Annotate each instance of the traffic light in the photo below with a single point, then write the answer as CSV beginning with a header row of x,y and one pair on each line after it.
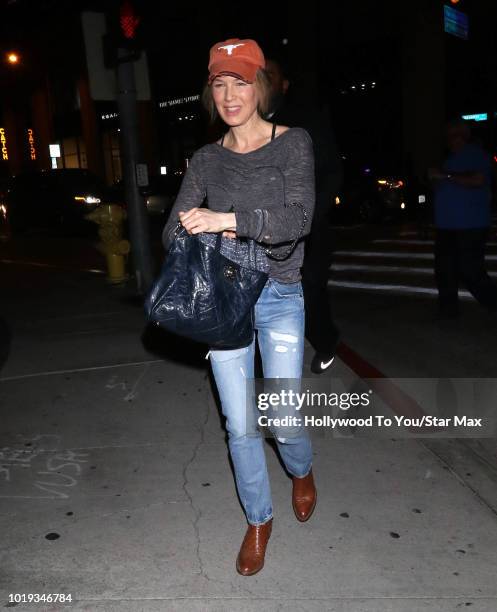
x,y
124,31
128,21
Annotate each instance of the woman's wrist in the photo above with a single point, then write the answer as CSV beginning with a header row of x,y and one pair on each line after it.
x,y
230,222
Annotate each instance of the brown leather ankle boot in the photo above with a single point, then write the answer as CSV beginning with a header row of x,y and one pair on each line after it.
x,y
304,496
250,559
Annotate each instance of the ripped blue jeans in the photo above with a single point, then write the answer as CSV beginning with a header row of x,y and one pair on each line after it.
x,y
279,321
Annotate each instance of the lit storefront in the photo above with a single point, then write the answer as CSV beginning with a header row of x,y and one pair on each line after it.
x,y
75,109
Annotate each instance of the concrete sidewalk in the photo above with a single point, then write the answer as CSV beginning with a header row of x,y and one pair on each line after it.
x,y
115,483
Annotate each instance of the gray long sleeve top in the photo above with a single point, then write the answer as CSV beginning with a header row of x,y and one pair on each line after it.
x,y
260,188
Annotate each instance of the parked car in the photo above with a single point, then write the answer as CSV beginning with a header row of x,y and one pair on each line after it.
x,y
4,187
55,199
159,195
368,196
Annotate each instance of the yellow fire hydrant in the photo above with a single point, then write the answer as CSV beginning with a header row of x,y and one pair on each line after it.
x,y
110,218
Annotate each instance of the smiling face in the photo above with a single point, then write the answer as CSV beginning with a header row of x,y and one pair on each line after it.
x,y
235,100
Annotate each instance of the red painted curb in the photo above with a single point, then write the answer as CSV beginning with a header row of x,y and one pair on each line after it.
x,y
398,400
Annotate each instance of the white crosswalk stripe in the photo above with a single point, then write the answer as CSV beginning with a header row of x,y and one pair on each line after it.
x,y
402,263
404,242
391,269
394,288
397,254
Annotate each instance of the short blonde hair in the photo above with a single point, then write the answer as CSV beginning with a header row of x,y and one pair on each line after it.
x,y
263,88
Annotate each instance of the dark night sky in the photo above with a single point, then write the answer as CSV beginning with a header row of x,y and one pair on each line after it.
x,y
179,34
358,41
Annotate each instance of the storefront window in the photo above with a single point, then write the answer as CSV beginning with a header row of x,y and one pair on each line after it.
x,y
74,153
112,156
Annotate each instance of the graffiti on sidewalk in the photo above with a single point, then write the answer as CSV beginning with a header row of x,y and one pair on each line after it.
x,y
116,382
39,463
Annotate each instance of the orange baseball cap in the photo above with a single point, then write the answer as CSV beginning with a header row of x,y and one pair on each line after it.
x,y
241,58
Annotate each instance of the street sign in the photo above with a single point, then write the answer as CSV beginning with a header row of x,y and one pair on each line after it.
x,y
54,150
475,117
141,175
456,22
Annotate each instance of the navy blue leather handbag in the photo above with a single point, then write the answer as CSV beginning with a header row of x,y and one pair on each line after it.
x,y
207,292
202,295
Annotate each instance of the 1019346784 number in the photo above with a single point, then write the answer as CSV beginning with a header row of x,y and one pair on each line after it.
x,y
37,597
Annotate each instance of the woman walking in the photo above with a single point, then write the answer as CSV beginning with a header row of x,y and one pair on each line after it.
x,y
259,184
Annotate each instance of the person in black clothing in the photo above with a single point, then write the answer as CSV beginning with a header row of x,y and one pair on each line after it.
x,y
320,328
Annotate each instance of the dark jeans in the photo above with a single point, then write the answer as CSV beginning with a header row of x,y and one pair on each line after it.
x,y
460,256
319,327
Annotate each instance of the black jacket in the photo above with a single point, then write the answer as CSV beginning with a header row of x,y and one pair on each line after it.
x,y
328,165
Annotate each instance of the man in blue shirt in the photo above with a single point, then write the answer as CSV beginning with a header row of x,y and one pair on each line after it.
x,y
462,221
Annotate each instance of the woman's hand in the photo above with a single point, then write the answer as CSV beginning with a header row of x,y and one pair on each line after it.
x,y
199,220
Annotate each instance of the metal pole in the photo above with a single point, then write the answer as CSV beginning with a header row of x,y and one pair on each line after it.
x,y
130,152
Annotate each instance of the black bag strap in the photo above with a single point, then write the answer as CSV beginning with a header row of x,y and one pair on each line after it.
x,y
179,229
290,249
219,236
